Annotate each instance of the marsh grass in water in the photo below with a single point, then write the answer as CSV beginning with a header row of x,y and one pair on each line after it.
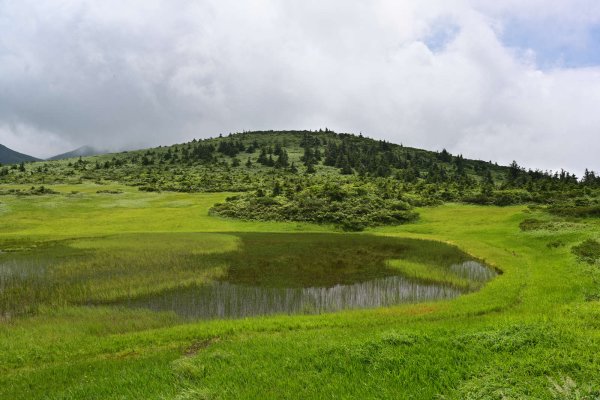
x,y
92,270
467,275
232,275
19,280
473,271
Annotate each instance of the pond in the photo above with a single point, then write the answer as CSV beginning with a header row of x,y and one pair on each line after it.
x,y
225,300
205,276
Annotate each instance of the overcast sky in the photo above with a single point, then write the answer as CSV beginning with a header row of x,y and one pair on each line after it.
x,y
494,80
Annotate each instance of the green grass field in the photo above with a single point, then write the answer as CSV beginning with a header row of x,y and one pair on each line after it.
x,y
531,333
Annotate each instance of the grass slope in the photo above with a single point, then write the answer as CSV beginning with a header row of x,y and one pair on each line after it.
x,y
533,332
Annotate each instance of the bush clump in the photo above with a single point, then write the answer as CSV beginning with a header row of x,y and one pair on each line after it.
x,y
588,251
587,211
531,224
500,198
33,191
351,207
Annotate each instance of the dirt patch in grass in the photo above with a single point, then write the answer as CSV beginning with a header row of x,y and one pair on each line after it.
x,y
199,345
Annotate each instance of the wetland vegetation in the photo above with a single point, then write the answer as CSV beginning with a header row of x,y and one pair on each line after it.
x,y
121,276
233,275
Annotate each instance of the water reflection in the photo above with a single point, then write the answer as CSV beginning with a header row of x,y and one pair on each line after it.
x,y
225,300
473,271
268,274
16,272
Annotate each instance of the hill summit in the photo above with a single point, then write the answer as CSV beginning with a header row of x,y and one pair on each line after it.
x,y
83,151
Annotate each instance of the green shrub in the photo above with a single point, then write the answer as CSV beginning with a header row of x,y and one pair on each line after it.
x,y
555,244
531,224
510,197
351,207
588,251
576,211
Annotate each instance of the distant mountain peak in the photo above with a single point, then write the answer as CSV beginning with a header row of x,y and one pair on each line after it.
x,y
83,151
9,156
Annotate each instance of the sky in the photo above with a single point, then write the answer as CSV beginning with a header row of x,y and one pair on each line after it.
x,y
493,80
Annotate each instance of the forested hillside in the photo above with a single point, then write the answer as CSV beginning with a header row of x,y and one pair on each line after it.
x,y
319,176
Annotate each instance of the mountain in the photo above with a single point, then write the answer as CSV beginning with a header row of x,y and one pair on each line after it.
x,y
83,151
8,156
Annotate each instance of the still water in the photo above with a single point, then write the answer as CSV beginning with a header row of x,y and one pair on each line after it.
x,y
264,274
225,300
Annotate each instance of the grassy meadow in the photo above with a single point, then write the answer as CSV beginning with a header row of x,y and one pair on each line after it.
x,y
533,332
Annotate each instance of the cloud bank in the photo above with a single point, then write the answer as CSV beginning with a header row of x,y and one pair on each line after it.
x,y
491,80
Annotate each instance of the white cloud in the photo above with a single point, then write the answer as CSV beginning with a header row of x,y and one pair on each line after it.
x,y
134,73
19,137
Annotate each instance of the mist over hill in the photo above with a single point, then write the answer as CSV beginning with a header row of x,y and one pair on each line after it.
x,y
83,151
